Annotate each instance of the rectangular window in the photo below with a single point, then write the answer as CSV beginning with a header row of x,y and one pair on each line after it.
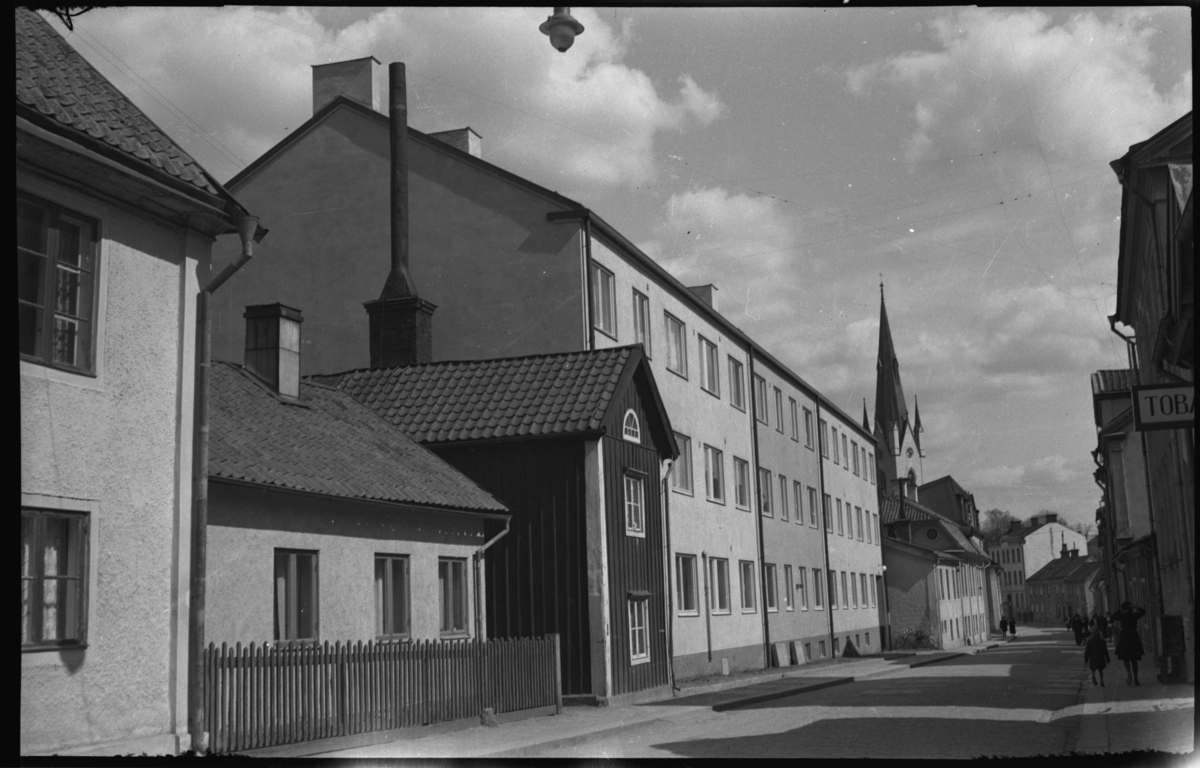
x,y
864,462
872,592
818,588
795,412
635,506
57,254
771,588
833,601
845,595
765,507
720,584
295,595
845,453
853,591
840,529
54,571
798,496
876,519
641,320
452,591
681,470
836,458
741,470
868,519
808,651
823,437
802,588
788,587
760,399
391,596
872,457
746,569
639,647
778,411
826,508
714,474
812,507
604,300
685,584
808,428
854,455
783,498
858,519
737,385
710,373
676,345
821,645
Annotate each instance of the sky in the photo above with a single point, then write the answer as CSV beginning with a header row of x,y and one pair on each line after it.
x,y
793,157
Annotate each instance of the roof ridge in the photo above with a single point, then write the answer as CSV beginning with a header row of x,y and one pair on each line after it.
x,y
477,361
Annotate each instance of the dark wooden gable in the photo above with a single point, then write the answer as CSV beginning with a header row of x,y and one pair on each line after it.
x,y
637,391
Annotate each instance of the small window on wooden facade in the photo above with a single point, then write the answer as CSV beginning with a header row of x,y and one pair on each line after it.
x,y
391,596
54,567
720,584
604,301
635,506
631,430
639,646
746,572
452,592
295,595
685,584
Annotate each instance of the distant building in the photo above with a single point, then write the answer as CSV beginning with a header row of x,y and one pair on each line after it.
x,y
1025,549
115,226
1063,587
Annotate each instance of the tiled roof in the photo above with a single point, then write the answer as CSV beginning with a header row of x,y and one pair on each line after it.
x,y
486,399
1107,382
1066,568
889,511
54,80
335,446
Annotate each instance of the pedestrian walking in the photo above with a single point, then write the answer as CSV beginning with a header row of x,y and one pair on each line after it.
x,y
1129,642
1095,655
1012,626
1003,626
1077,626
1101,623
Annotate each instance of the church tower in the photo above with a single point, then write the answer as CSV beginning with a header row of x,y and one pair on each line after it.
x,y
897,438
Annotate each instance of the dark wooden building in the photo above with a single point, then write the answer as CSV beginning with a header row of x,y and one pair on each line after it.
x,y
577,446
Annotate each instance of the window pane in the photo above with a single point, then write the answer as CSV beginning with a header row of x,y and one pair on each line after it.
x,y
31,226
281,568
31,271
305,593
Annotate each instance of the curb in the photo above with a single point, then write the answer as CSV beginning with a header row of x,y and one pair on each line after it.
x,y
530,750
935,660
773,695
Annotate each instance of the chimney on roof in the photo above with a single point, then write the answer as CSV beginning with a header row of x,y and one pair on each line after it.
x,y
400,323
464,139
273,346
706,293
1013,525
1063,553
1050,517
357,79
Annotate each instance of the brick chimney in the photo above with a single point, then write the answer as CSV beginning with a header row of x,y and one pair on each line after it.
x,y
273,346
401,331
357,79
1050,517
464,139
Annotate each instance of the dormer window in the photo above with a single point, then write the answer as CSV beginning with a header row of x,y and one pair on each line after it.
x,y
631,430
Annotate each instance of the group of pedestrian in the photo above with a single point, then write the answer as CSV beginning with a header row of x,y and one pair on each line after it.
x,y
1008,626
1129,643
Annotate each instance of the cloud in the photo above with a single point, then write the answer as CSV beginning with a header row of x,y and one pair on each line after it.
x,y
585,116
1046,471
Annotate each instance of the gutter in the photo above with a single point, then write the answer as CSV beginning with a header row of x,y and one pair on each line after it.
x,y
475,559
825,526
758,516
250,233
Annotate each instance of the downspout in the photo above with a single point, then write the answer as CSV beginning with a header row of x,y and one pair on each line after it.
x,y
587,278
197,728
707,608
665,492
825,522
762,555
476,558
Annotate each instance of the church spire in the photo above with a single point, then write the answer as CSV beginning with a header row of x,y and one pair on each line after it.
x,y
891,414
917,429
866,420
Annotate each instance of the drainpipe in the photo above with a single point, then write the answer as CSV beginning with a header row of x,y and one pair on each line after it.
x,y
762,554
665,493
476,558
707,608
248,231
825,523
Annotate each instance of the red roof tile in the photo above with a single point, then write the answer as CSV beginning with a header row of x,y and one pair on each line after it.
x,y
333,446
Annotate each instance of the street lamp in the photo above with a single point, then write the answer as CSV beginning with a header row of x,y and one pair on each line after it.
x,y
561,28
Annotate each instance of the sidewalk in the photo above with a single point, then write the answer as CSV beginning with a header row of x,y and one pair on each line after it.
x,y
694,702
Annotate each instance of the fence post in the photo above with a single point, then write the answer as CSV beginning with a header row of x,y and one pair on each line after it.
x,y
557,675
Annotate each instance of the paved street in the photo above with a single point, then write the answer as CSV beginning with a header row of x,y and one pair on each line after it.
x,y
1023,698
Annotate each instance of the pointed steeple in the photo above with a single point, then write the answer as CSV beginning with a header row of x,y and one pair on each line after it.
x,y
917,429
866,420
891,414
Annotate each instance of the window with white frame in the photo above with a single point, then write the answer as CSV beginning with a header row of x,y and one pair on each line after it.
x,y
631,430
760,399
737,385
833,601
778,411
858,519
872,458
641,320
845,604
604,300
788,588
639,646
685,585
846,453
783,498
681,470
741,480
635,506
812,507
798,497
765,507
818,589
57,284
864,463
719,575
452,589
827,509
854,454
853,591
834,432
823,437
876,519
808,429
714,474
391,596
868,518
749,604
840,529
770,587
295,595
802,588
862,579
794,411
54,578
676,345
710,373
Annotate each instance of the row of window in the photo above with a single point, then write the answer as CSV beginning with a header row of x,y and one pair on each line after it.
x,y
974,626
857,589
1008,555
1013,578
955,584
851,456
